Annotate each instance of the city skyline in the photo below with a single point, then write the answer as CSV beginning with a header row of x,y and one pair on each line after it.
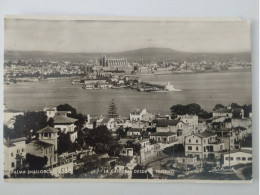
x,y
87,36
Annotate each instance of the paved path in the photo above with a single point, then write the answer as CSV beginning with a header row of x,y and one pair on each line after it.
x,y
240,174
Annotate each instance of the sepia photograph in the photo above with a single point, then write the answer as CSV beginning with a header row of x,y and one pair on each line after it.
x,y
126,99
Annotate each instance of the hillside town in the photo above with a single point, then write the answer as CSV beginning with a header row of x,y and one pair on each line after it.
x,y
58,142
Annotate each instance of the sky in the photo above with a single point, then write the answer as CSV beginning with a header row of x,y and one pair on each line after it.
x,y
117,36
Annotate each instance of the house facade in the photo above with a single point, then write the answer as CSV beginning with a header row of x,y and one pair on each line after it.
x,y
191,120
203,145
236,157
137,115
45,146
164,137
14,154
169,126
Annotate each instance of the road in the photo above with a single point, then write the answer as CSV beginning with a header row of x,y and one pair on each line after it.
x,y
240,174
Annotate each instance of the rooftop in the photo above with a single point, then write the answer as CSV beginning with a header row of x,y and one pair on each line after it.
x,y
124,140
205,134
42,144
12,111
137,111
62,113
20,139
239,150
135,130
163,134
166,123
64,120
48,129
8,144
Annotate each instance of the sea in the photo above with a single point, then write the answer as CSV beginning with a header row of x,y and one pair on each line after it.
x,y
205,89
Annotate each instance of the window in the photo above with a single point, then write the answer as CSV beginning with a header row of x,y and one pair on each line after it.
x,y
22,150
249,158
50,149
197,148
12,164
197,141
12,154
243,158
46,150
238,159
231,158
189,140
189,147
18,151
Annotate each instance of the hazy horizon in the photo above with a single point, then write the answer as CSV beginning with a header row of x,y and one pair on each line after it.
x,y
100,52
74,36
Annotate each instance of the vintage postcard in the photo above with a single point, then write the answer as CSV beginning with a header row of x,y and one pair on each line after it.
x,y
127,99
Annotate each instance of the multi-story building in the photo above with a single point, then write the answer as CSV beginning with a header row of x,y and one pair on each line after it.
x,y
45,146
65,124
191,120
164,137
14,154
137,115
203,145
229,112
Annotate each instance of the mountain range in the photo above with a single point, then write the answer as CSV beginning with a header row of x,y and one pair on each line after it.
x,y
145,54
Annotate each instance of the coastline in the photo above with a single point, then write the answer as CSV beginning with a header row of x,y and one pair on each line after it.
x,y
194,72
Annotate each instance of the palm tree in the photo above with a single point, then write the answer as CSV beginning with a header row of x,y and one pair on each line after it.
x,y
112,110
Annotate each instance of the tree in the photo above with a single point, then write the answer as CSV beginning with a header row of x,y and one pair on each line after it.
x,y
64,143
235,105
101,139
121,133
81,118
193,109
112,110
67,107
29,121
247,109
51,122
218,106
178,110
36,162
8,133
136,146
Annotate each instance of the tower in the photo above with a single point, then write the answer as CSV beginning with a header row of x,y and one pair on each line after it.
x,y
49,135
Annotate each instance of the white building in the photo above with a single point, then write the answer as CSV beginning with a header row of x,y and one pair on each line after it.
x,y
14,154
45,146
50,112
203,145
137,115
191,120
236,157
64,124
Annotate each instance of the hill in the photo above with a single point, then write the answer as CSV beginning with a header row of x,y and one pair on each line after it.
x,y
149,54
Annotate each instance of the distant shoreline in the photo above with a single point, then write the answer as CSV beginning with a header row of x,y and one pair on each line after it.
x,y
195,72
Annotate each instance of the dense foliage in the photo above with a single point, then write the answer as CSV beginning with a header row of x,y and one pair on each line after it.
x,y
189,109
